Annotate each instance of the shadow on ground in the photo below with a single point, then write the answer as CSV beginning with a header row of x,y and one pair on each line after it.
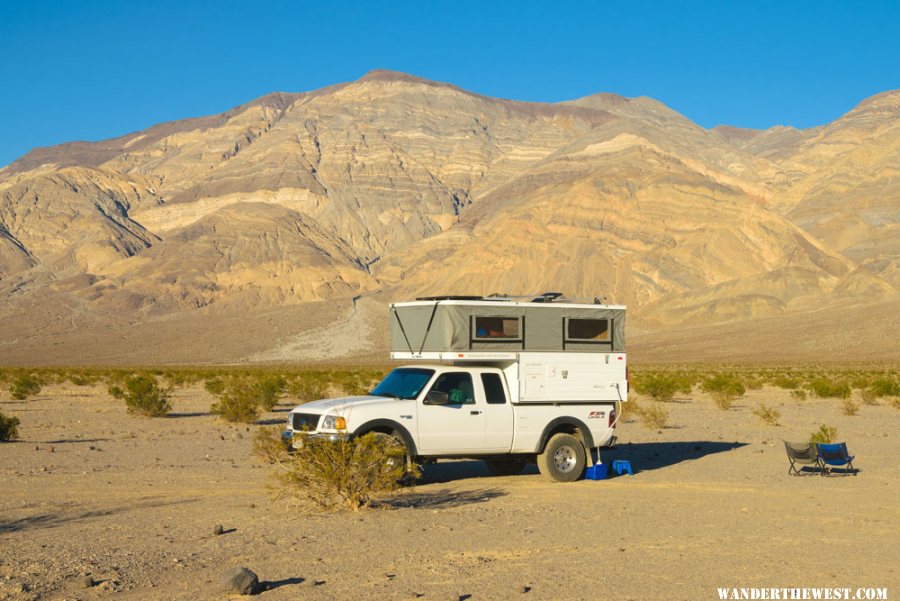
x,y
646,456
52,520
443,499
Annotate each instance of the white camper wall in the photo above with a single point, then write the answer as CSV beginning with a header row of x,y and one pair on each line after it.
x,y
569,377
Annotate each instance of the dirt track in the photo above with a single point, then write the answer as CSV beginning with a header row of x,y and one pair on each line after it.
x,y
133,502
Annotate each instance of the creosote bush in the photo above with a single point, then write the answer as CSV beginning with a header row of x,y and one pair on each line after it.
x,y
768,415
143,395
238,402
24,386
334,475
9,428
825,434
824,389
724,389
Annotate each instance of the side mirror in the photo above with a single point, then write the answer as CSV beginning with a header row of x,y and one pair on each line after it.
x,y
436,397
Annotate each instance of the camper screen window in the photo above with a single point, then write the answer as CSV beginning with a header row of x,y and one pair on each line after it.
x,y
498,328
587,330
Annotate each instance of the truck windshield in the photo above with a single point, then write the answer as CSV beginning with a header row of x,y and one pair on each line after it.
x,y
404,383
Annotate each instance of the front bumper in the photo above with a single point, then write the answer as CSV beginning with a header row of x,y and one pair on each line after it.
x,y
294,440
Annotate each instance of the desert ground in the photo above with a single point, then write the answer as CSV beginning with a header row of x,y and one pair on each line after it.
x,y
132,502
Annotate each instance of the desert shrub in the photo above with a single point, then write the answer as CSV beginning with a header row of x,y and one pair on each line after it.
x,y
334,475
24,386
9,428
823,389
768,415
799,394
753,383
825,434
724,389
306,389
143,395
868,397
785,381
849,407
661,387
214,386
238,402
883,387
654,417
268,390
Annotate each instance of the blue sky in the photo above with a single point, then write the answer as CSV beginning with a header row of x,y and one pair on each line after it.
x,y
92,70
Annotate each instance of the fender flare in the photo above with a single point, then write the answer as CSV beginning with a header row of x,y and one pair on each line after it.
x,y
565,420
376,424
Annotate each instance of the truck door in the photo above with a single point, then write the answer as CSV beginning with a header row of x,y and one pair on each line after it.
x,y
498,428
450,420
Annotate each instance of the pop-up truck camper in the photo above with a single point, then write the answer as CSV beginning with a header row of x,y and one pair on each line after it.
x,y
508,380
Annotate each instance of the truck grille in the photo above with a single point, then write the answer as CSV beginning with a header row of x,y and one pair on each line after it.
x,y
304,421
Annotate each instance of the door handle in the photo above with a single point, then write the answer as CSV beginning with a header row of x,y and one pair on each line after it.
x,y
474,412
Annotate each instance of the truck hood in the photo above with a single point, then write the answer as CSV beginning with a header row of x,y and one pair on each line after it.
x,y
326,405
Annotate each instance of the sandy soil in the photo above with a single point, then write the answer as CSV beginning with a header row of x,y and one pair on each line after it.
x,y
133,502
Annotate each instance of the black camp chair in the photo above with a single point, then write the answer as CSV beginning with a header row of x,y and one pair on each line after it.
x,y
804,454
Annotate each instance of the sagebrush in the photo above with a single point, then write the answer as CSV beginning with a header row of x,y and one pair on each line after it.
x,y
143,395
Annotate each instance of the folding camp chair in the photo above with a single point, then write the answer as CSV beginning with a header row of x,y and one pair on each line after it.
x,y
802,453
835,455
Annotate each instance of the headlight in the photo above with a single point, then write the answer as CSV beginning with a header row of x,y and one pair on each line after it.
x,y
334,422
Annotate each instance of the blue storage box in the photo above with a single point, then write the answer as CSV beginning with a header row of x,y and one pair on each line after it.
x,y
598,471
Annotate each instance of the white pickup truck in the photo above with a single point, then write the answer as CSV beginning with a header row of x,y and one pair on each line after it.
x,y
510,406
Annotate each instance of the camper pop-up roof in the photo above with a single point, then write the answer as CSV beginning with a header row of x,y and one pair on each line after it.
x,y
435,326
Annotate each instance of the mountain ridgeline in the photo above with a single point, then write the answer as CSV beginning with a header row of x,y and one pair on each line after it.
x,y
223,238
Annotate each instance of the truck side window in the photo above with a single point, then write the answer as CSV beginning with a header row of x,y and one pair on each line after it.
x,y
493,389
458,386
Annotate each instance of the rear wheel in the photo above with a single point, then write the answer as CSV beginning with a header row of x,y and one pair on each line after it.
x,y
505,467
563,458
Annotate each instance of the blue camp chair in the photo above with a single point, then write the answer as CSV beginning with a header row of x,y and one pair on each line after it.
x,y
835,455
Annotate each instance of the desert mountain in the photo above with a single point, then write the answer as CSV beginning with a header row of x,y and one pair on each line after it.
x,y
262,231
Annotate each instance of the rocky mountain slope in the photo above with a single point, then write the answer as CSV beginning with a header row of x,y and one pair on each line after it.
x,y
283,213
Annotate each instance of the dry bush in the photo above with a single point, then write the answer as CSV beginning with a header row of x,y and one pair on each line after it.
x,y
214,386
660,387
786,382
238,402
824,389
799,394
849,407
143,395
347,474
724,389
308,388
768,415
868,397
9,428
825,434
654,417
24,386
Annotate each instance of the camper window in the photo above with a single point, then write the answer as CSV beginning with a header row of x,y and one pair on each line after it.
x,y
498,328
587,330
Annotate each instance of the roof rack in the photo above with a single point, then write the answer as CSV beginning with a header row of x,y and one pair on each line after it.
x,y
545,297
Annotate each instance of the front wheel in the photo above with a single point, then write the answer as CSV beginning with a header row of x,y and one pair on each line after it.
x,y
563,458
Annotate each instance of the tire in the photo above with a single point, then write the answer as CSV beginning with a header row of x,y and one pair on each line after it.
x,y
563,458
505,467
411,472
